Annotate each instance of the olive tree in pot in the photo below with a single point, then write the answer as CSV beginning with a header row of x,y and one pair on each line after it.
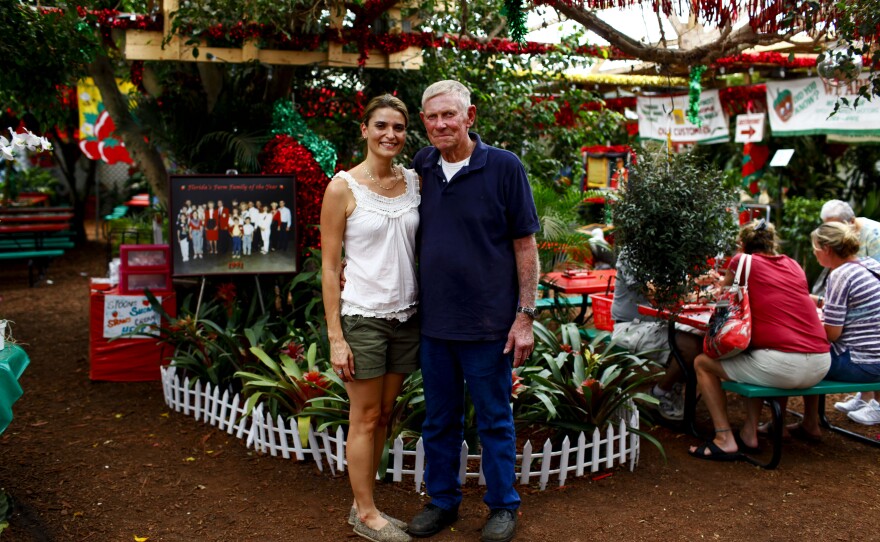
x,y
673,216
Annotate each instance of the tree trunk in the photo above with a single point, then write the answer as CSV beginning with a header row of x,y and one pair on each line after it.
x,y
145,155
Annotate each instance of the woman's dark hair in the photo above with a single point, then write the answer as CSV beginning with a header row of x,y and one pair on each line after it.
x,y
840,237
382,102
759,236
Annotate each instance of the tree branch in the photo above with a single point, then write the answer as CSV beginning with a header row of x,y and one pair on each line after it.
x,y
729,41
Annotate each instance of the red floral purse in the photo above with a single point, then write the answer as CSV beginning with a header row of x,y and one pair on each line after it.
x,y
730,327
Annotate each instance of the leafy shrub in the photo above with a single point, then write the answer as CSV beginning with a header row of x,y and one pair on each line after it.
x,y
673,215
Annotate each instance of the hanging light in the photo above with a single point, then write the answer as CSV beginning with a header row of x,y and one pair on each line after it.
x,y
839,67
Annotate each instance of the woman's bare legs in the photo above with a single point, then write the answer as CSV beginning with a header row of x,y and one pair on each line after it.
x,y
709,375
372,401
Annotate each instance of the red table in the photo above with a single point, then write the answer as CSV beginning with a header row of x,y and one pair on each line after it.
x,y
140,200
125,359
692,315
32,210
583,282
21,218
30,200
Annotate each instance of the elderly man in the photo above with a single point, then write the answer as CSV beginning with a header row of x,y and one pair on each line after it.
x,y
862,407
478,266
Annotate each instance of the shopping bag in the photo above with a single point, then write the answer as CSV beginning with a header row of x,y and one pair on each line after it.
x,y
730,326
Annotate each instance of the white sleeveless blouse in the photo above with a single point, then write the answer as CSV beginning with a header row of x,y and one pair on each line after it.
x,y
380,240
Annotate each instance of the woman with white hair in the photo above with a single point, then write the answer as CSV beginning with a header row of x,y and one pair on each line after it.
x,y
861,407
868,230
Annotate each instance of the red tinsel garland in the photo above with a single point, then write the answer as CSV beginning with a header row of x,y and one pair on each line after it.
x,y
737,100
284,155
769,58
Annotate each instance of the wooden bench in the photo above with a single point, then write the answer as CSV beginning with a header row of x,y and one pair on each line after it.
x,y
821,389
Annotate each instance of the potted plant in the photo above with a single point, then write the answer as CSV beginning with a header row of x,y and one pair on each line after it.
x,y
673,216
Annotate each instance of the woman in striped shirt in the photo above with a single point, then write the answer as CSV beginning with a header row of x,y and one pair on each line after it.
x,y
852,317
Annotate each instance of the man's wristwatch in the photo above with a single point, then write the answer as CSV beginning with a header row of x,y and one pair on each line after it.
x,y
528,311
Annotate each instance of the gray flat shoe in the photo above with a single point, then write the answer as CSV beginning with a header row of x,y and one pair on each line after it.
x,y
388,533
353,519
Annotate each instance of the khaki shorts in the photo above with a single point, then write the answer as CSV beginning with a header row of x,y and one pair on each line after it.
x,y
650,339
382,346
775,369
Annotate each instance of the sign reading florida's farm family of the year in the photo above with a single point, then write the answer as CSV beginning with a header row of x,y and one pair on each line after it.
x,y
124,313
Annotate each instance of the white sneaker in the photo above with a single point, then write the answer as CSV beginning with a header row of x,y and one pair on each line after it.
x,y
867,415
851,403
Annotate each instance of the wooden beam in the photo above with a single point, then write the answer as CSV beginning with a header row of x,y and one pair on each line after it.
x,y
147,45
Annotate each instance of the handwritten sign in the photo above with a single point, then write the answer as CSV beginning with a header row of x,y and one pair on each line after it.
x,y
124,313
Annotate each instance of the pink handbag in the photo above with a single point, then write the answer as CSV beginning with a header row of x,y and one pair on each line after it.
x,y
730,327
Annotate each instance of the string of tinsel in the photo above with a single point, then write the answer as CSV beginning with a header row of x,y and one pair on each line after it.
x,y
282,155
695,88
287,120
516,20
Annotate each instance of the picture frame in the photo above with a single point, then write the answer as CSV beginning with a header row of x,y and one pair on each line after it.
x,y
203,246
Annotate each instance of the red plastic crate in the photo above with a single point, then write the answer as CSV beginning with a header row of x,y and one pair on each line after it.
x,y
602,311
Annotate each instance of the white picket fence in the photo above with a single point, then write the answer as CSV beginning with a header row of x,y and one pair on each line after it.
x,y
277,437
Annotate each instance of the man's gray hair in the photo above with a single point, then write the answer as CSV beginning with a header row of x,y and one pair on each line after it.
x,y
837,210
448,87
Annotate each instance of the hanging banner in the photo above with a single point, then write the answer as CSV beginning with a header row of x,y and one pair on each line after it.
x,y
804,106
96,129
663,116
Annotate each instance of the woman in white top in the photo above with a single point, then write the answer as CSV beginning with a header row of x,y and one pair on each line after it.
x,y
373,210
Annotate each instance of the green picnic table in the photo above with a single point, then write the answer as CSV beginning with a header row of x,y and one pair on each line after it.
x,y
13,361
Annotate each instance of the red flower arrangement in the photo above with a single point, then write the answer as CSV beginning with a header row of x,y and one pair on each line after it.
x,y
283,155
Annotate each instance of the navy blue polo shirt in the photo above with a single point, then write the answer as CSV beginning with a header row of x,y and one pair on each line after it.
x,y
468,283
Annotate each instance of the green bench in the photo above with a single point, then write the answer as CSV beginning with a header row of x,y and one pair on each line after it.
x,y
31,244
35,258
823,388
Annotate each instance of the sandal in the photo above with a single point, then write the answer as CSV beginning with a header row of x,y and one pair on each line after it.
x,y
717,453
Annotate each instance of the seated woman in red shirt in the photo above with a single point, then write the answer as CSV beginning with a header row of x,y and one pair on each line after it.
x,y
788,347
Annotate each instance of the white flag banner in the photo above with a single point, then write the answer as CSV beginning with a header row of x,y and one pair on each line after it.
x,y
804,107
662,115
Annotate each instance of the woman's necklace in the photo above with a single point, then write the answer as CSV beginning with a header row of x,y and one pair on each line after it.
x,y
397,177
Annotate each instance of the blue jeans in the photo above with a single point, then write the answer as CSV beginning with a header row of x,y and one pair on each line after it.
x,y
446,367
844,370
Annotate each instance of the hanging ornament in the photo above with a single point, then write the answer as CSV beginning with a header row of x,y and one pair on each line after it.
x,y
695,88
839,67
516,20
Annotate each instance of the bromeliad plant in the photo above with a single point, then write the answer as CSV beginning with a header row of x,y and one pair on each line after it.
x,y
573,386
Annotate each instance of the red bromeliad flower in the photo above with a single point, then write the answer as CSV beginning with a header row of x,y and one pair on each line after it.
x,y
518,386
295,350
313,384
226,294
566,348
594,385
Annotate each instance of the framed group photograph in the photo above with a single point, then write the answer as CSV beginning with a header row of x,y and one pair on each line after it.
x,y
233,224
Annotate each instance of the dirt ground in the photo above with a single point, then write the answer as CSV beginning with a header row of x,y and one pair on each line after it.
x,y
103,461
